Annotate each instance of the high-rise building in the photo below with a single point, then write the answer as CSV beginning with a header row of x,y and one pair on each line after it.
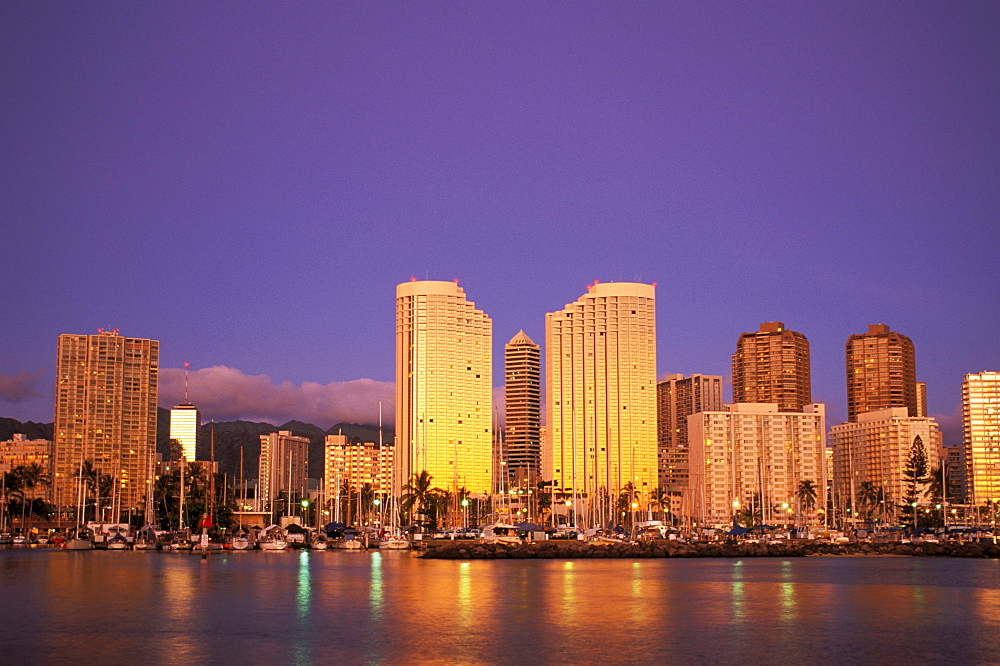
x,y
185,429
677,398
881,372
523,398
772,366
106,388
20,451
981,436
751,460
600,369
283,472
444,391
875,449
355,464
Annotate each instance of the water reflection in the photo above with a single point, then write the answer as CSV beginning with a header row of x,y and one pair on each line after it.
x,y
349,607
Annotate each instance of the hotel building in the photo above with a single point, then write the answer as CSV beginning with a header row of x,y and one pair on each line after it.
x,y
981,436
20,451
600,369
523,407
751,456
772,366
444,389
875,448
185,429
881,372
105,412
284,468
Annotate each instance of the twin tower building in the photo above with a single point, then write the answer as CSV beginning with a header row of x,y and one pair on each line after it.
x,y
600,393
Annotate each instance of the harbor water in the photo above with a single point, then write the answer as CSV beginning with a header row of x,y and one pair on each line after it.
x,y
392,608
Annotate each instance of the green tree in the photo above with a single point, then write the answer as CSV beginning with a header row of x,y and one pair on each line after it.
x,y
914,480
417,496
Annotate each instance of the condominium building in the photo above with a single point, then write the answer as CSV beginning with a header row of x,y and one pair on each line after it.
x,y
881,372
105,413
185,429
875,449
19,451
600,369
752,459
677,398
981,436
522,413
283,472
772,366
356,464
444,389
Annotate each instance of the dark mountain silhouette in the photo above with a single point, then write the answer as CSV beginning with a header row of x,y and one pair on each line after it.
x,y
32,430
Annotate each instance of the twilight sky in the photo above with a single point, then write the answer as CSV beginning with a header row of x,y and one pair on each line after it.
x,y
247,183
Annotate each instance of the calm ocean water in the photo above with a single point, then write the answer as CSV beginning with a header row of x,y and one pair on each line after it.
x,y
390,608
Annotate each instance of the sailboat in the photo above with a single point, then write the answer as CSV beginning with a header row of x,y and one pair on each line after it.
x,y
393,537
82,538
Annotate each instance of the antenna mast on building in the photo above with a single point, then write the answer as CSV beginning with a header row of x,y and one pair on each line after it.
x,y
186,383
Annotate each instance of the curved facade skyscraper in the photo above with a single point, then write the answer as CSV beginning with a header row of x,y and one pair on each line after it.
x,y
444,398
772,366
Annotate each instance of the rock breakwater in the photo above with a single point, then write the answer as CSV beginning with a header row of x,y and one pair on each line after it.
x,y
558,549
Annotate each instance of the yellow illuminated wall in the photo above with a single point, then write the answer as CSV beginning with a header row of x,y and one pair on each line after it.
x,y
981,435
185,426
444,399
600,392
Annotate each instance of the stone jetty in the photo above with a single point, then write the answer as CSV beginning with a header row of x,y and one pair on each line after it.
x,y
564,549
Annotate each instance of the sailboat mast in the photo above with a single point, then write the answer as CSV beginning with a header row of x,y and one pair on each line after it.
x,y
211,474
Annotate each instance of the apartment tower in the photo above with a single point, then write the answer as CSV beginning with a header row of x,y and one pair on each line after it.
x,y
981,436
600,369
772,366
284,468
677,398
105,413
881,372
523,398
444,390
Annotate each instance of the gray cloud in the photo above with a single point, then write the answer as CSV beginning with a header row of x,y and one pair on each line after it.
x,y
19,387
227,394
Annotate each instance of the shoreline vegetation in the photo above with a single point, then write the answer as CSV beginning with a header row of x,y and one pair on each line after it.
x,y
565,549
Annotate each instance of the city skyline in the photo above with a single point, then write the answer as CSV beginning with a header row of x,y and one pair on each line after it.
x,y
199,176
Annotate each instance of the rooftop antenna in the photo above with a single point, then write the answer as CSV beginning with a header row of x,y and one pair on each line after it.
x,y
186,386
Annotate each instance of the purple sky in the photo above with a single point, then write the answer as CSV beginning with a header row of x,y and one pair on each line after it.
x,y
247,183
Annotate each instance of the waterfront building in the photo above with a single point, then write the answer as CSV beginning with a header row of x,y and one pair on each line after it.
x,y
874,450
444,390
600,369
355,464
20,451
955,462
283,472
749,461
772,366
677,398
881,372
105,413
921,398
185,429
981,436
523,407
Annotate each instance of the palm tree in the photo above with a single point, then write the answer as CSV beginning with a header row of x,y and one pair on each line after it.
x,y
806,495
868,497
417,493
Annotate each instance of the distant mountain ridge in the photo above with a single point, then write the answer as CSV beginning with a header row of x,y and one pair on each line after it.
x,y
230,436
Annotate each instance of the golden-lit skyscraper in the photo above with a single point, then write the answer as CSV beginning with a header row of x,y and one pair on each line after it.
x,y
981,436
106,389
523,405
356,464
772,366
185,428
881,372
444,390
600,369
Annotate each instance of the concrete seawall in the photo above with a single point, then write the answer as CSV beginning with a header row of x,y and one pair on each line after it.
x,y
558,549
